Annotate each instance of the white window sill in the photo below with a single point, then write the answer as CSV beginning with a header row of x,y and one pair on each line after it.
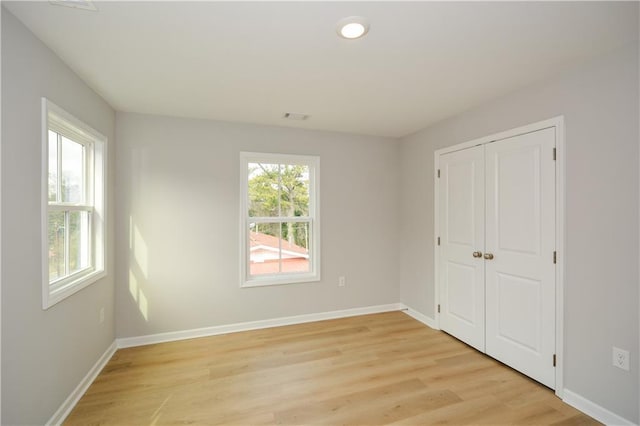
x,y
280,280
67,289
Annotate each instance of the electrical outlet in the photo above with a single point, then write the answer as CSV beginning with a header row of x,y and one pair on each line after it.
x,y
621,358
342,281
101,315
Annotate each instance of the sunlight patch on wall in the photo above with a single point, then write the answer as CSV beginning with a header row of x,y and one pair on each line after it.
x,y
140,251
133,286
142,305
138,270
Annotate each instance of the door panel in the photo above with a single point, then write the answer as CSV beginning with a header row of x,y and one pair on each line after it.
x,y
520,233
462,232
519,317
461,292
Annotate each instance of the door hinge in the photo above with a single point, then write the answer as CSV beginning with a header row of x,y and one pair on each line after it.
x,y
438,240
555,257
554,360
554,154
438,173
438,308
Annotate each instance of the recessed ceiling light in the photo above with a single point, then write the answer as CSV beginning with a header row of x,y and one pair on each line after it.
x,y
352,27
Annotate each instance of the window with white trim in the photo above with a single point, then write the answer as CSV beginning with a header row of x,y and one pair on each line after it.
x,y
73,197
280,225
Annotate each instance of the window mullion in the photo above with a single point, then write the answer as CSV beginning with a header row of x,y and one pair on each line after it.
x,y
66,243
92,261
276,219
280,215
59,171
280,248
85,176
70,207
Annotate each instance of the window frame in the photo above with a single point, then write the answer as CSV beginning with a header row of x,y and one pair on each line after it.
x,y
313,162
66,125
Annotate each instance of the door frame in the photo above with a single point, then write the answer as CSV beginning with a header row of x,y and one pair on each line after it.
x,y
558,124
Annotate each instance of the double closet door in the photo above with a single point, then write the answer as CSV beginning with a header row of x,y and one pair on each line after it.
x,y
496,267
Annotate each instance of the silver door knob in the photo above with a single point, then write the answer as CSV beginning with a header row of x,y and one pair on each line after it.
x,y
477,254
488,256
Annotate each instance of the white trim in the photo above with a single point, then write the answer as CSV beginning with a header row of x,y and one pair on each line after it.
x,y
594,410
313,219
96,182
561,256
436,235
428,321
0,222
151,339
558,123
63,411
544,124
571,398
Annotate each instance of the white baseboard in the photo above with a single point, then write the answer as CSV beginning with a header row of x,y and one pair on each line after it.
x,y
430,322
150,339
586,406
61,414
592,409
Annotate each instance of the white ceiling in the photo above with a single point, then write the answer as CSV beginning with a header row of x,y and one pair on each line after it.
x,y
253,61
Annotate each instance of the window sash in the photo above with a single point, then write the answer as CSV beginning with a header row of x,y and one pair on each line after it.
x,y
277,219
60,206
89,225
72,276
69,207
281,250
62,282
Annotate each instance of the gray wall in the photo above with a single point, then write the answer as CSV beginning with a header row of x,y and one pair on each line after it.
x,y
177,218
178,200
45,354
600,104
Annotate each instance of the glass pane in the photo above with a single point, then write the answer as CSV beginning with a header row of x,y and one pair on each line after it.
x,y
295,247
263,189
56,245
78,241
294,190
53,165
72,171
264,248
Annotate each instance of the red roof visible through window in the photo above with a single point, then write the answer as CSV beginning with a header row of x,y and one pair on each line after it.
x,y
258,239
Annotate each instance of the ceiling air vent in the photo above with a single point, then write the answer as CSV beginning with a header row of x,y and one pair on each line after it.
x,y
295,116
76,4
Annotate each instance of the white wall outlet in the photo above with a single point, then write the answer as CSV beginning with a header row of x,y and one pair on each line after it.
x,y
101,315
621,358
342,281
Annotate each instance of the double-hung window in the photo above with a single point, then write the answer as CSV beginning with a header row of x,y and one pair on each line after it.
x,y
280,229
73,210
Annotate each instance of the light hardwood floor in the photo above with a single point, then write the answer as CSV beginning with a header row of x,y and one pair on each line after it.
x,y
368,370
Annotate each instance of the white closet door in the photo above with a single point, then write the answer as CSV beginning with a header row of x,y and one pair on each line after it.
x,y
462,233
520,234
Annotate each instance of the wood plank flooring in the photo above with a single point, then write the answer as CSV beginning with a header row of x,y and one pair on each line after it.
x,y
367,370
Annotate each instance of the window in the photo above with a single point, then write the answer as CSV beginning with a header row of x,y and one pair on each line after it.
x,y
73,221
280,229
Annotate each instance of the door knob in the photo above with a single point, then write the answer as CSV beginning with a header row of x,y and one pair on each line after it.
x,y
488,256
477,254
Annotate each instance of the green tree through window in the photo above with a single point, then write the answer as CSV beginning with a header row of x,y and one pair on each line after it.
x,y
280,190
